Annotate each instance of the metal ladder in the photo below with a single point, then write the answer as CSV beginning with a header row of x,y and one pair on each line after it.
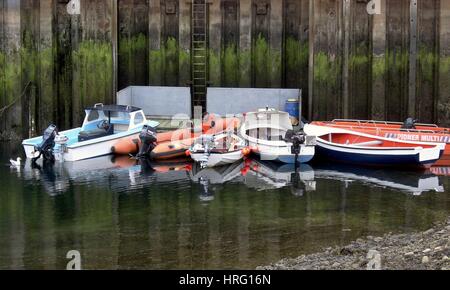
x,y
199,52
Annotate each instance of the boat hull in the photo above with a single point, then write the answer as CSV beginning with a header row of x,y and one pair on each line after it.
x,y
219,159
283,154
381,159
82,152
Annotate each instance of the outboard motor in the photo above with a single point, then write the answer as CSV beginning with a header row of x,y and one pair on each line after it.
x,y
47,145
409,124
148,141
297,140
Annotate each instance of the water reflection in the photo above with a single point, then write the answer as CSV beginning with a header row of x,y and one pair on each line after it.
x,y
253,173
125,214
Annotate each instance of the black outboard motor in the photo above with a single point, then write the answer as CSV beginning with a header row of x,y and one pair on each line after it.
x,y
409,124
297,140
148,141
47,145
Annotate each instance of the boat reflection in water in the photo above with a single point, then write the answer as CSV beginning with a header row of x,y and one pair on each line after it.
x,y
56,178
123,174
262,175
208,178
414,183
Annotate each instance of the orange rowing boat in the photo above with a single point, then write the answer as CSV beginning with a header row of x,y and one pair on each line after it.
x,y
407,131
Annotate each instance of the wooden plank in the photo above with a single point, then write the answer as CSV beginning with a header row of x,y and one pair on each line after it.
x,y
94,56
398,59
133,42
261,11
115,49
2,57
46,100
230,43
276,42
412,58
29,25
245,42
312,33
327,37
155,55
443,106
184,56
295,47
215,43
170,36
346,54
427,65
378,69
359,64
13,86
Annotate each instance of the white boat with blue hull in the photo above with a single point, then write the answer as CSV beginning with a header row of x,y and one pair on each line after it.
x,y
270,135
103,127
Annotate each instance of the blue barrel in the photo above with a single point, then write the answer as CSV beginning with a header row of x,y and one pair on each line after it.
x,y
292,107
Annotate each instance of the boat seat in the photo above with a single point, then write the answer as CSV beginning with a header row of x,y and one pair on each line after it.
x,y
94,134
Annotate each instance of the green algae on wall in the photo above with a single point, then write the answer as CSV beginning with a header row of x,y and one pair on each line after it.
x,y
169,65
184,59
171,62
296,62
45,102
156,58
261,62
427,61
214,68
378,67
230,66
245,64
94,73
10,77
296,54
132,57
327,86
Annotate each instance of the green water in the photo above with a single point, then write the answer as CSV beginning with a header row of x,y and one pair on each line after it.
x,y
121,215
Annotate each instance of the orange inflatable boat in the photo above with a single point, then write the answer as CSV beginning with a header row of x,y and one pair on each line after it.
x,y
402,131
171,149
174,144
131,145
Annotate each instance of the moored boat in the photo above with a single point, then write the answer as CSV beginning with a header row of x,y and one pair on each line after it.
x,y
345,146
217,150
178,144
406,131
270,135
103,127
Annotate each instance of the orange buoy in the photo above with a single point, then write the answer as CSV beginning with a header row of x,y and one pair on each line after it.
x,y
246,151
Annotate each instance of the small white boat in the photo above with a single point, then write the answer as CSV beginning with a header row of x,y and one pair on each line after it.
x,y
217,150
270,134
103,127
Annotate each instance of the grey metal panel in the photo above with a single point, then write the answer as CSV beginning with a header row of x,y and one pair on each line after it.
x,y
230,101
158,101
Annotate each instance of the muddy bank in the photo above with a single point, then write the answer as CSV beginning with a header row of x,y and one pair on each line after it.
x,y
428,250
